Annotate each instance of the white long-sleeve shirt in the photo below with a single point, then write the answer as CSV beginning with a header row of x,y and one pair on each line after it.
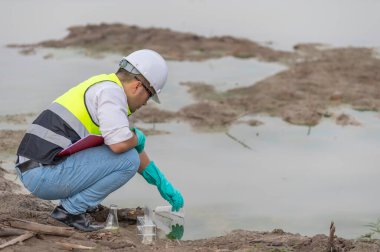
x,y
107,104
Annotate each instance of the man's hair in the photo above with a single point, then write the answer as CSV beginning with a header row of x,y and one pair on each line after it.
x,y
127,76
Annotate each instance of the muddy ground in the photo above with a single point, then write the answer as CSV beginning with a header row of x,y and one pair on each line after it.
x,y
26,207
317,78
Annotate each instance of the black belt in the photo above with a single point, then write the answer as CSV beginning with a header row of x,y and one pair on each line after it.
x,y
28,165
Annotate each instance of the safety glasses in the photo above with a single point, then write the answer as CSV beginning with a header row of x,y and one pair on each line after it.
x,y
150,93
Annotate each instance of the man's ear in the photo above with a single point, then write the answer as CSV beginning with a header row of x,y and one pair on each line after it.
x,y
134,86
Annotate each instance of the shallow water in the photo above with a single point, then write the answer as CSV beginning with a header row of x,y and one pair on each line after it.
x,y
46,79
288,179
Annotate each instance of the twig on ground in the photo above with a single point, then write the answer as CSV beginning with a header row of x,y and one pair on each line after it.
x,y
4,232
41,228
71,246
20,238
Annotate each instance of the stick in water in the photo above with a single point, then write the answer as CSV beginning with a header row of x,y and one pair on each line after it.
x,y
238,141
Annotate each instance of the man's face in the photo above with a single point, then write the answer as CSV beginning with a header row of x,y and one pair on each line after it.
x,y
139,94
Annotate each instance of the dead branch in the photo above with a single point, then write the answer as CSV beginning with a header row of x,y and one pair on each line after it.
x,y
20,238
330,245
238,141
41,228
71,246
4,232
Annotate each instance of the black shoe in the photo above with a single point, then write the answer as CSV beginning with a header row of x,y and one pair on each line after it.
x,y
95,209
79,221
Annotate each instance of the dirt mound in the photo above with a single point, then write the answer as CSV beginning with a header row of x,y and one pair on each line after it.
x,y
302,94
150,114
318,77
24,207
6,185
124,39
209,115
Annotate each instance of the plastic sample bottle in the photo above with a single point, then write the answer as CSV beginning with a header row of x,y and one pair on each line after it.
x,y
170,222
146,229
112,222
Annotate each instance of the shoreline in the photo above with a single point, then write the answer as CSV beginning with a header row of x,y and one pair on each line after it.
x,y
28,208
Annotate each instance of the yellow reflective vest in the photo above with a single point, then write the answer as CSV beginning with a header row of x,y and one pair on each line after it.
x,y
66,121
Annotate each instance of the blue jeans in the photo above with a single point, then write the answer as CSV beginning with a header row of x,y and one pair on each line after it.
x,y
84,179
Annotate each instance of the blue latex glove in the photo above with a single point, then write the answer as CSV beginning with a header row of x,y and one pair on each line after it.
x,y
140,140
155,177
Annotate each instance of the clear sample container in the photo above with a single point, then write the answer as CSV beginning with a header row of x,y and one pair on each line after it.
x,y
112,222
166,211
146,229
170,224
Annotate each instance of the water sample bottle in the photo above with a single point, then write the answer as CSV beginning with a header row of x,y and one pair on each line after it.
x,y
112,222
170,222
166,211
146,229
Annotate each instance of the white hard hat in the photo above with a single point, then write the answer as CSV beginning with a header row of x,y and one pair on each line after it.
x,y
151,65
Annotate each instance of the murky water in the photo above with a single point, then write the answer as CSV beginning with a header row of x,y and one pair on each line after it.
x,y
41,83
288,179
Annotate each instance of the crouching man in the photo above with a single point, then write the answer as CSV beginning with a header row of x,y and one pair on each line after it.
x,y
101,106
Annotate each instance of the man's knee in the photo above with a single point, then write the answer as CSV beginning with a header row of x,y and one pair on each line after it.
x,y
132,161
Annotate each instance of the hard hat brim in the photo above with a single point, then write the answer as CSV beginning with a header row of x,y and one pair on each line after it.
x,y
155,98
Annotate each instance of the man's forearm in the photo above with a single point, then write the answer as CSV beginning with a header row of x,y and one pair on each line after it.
x,y
124,146
152,174
144,161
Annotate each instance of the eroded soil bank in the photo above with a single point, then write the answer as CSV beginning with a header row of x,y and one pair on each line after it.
x,y
317,78
123,39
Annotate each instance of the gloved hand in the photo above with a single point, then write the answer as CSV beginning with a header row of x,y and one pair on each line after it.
x,y
154,177
140,140
176,233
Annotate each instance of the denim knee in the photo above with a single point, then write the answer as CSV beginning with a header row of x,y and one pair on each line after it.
x,y
131,161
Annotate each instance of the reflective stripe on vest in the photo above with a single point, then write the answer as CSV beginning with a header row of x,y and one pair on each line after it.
x,y
62,124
